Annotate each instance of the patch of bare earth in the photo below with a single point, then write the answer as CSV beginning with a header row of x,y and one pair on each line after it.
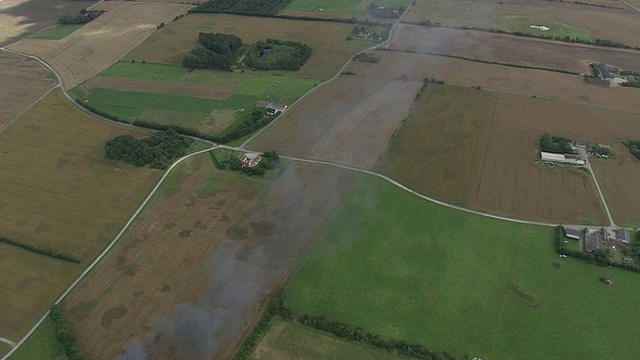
x,y
28,81
100,43
511,49
538,83
163,87
349,120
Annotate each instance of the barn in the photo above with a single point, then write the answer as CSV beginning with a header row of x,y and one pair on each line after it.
x,y
562,158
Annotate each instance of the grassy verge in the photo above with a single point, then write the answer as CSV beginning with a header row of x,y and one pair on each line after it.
x,y
56,33
404,268
42,344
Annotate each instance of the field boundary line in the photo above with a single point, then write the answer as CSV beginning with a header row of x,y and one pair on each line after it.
x,y
391,34
631,6
8,342
27,108
132,218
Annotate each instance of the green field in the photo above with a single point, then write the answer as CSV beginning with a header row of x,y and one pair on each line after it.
x,y
406,268
56,33
506,17
351,7
205,115
437,150
290,340
43,344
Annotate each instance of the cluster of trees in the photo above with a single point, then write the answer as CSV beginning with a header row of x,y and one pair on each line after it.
x,y
385,12
218,51
366,57
634,147
270,160
634,249
82,17
40,250
364,32
601,150
555,144
258,119
242,7
64,334
157,151
599,42
274,54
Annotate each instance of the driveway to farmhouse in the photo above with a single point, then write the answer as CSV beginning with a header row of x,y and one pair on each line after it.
x,y
585,156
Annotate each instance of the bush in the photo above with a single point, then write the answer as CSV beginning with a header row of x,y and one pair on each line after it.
x,y
157,151
275,54
555,144
368,58
64,334
634,147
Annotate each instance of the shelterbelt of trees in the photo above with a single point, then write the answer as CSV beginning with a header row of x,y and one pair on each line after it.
x,y
157,151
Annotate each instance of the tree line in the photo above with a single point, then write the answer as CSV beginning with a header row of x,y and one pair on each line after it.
x,y
366,57
555,144
40,250
278,307
242,7
274,54
64,334
634,147
384,12
81,17
157,151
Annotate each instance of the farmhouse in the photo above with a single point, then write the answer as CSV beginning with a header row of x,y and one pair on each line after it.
x,y
574,234
594,238
563,158
617,237
271,107
250,160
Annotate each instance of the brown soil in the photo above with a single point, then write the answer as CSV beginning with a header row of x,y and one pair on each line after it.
x,y
349,120
100,43
28,82
511,49
164,87
618,181
622,27
542,84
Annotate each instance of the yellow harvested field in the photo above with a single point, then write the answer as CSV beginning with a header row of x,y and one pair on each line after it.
x,y
28,80
538,83
30,283
59,193
58,190
331,50
349,120
100,43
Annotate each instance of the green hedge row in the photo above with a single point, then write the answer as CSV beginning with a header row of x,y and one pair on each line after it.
x,y
278,307
40,250
64,334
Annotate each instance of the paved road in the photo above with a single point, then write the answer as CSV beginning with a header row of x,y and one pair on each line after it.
x,y
585,156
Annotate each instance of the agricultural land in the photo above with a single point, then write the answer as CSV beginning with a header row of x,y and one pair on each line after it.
x,y
394,194
29,82
331,50
60,195
100,43
20,18
286,340
435,272
368,112
230,231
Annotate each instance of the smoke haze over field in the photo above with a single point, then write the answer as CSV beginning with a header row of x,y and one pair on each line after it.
x,y
257,254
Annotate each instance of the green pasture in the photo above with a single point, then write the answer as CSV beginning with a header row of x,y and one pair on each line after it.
x,y
506,17
56,33
43,344
406,268
351,7
147,71
291,340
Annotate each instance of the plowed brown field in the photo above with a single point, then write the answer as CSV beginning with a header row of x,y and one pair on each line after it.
x,y
350,121
511,49
100,43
